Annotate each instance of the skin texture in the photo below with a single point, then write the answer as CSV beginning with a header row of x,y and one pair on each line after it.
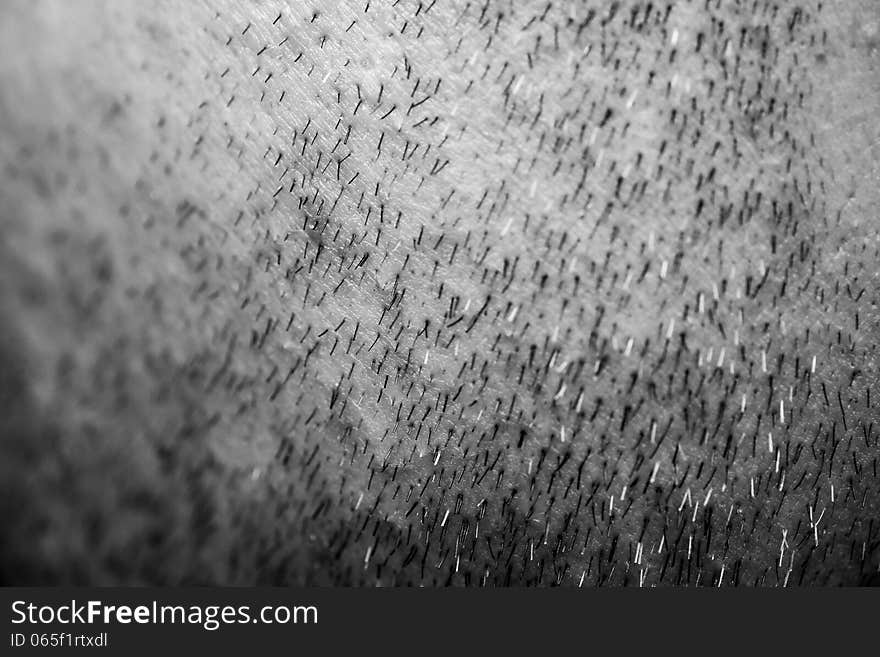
x,y
440,293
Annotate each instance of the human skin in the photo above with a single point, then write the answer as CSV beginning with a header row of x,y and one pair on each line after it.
x,y
440,293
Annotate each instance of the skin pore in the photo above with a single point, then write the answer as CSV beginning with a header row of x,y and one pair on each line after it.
x,y
432,292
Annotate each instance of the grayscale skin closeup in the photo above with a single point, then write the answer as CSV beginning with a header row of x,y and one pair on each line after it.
x,y
440,292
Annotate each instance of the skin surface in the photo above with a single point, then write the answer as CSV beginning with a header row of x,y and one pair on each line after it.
x,y
440,292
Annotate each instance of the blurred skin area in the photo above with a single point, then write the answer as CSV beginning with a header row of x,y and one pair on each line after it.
x,y
437,292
